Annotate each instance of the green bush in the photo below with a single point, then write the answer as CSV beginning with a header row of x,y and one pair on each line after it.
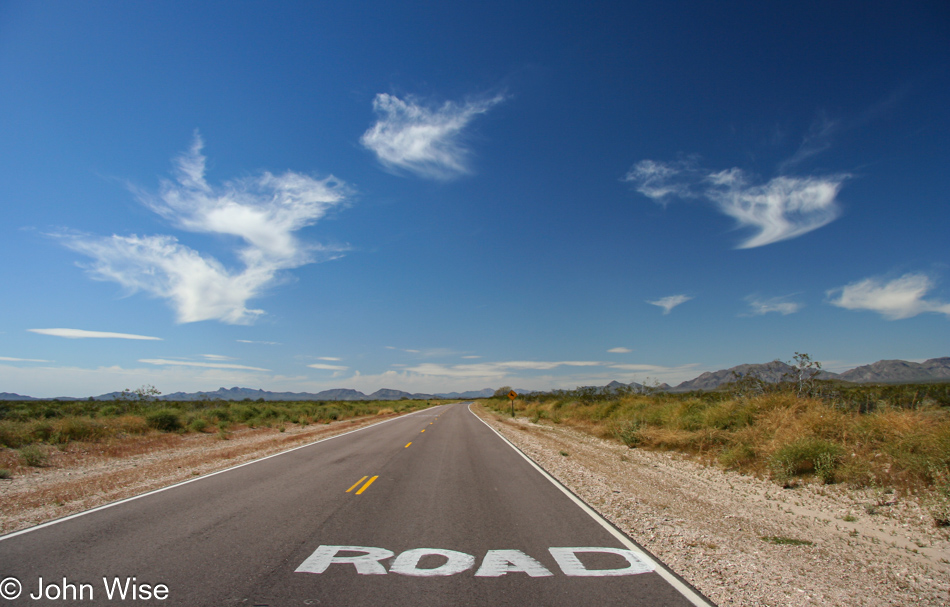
x,y
198,424
33,455
627,432
77,429
164,420
806,455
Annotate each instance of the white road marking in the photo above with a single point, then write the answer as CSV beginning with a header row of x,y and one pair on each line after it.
x,y
502,562
407,563
571,565
496,563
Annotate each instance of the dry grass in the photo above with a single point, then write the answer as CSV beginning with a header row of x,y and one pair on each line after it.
x,y
777,434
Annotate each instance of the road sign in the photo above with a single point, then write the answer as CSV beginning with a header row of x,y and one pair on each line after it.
x,y
512,395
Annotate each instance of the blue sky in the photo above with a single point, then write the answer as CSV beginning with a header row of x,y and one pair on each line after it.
x,y
450,196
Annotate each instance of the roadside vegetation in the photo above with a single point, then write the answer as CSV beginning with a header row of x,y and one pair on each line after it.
x,y
30,429
892,437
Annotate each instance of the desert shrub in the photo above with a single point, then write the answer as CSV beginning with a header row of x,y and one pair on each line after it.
x,y
805,455
737,456
131,424
77,429
627,432
12,434
164,420
198,424
5,474
39,431
33,455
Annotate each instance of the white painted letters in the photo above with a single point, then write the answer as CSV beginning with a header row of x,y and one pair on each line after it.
x,y
407,563
366,564
502,562
571,565
496,563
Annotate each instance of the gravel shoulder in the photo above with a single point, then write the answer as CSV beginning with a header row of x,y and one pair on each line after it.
x,y
708,525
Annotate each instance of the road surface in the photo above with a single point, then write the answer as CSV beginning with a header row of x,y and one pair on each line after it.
x,y
432,508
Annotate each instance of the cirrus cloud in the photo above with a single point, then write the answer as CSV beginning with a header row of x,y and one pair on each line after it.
x,y
783,208
421,139
670,302
83,334
188,363
896,299
263,212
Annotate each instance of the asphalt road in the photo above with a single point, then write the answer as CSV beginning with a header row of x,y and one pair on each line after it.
x,y
432,508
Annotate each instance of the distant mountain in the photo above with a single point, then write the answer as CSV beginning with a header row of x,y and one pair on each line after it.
x,y
883,371
900,371
772,373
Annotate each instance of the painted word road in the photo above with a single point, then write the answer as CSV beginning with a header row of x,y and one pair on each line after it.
x,y
366,560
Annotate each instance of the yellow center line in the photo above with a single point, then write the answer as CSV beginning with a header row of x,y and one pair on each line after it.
x,y
366,486
407,445
357,483
423,429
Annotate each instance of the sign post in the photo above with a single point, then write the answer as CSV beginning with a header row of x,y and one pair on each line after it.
x,y
512,396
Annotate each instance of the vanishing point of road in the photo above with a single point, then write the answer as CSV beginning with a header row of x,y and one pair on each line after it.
x,y
431,508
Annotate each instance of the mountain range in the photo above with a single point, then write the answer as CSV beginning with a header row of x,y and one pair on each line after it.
x,y
883,371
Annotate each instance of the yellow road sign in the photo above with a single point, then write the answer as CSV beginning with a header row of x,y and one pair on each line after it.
x,y
512,395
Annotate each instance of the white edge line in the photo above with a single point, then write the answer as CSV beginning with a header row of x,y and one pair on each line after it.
x,y
660,568
199,478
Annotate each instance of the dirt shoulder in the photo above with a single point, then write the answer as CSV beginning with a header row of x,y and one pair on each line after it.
x,y
81,476
866,548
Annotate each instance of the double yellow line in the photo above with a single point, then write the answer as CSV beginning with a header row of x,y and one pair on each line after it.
x,y
370,481
364,487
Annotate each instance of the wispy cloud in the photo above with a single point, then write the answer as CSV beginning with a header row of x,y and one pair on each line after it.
x,y
326,367
780,305
620,350
82,334
263,212
23,360
668,303
266,343
327,358
783,208
217,357
495,369
902,297
816,140
186,363
423,139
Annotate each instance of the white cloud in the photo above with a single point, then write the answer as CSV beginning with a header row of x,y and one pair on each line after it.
x,y
327,358
620,350
264,212
217,357
423,140
668,303
185,363
899,298
781,305
328,367
81,334
266,343
783,208
23,360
